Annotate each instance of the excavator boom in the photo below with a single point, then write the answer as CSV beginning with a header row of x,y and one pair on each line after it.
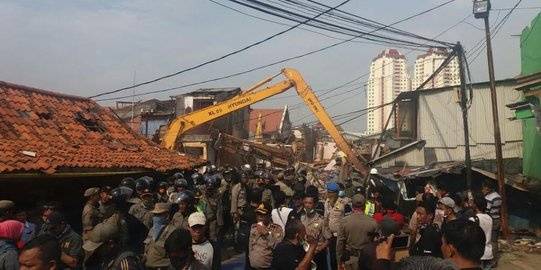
x,y
182,124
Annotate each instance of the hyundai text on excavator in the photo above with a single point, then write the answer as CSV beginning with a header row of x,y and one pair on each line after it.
x,y
182,124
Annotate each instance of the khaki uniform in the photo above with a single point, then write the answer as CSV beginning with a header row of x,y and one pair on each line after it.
x,y
334,214
142,213
262,246
180,222
155,254
285,189
118,220
90,217
239,198
315,226
266,196
353,236
215,221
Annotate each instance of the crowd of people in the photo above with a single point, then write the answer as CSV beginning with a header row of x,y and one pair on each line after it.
x,y
280,218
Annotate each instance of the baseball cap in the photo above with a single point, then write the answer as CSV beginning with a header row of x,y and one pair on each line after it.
x,y
263,208
197,218
55,218
332,186
161,208
447,202
389,226
358,200
91,191
101,233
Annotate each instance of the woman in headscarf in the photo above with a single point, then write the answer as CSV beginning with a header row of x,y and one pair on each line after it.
x,y
10,234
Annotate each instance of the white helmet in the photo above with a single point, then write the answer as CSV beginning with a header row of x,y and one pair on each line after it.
x,y
373,171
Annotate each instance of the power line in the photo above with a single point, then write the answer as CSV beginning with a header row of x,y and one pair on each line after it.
x,y
221,57
268,65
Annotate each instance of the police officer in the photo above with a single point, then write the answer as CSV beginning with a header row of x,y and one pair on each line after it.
x,y
239,197
353,234
162,195
198,181
335,209
155,255
70,242
105,252
280,178
201,204
142,209
214,199
315,227
117,215
178,186
264,183
91,214
105,197
264,236
185,201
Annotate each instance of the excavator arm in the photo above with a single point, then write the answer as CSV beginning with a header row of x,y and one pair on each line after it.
x,y
182,124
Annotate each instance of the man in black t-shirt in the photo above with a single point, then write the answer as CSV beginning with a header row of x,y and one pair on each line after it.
x,y
290,254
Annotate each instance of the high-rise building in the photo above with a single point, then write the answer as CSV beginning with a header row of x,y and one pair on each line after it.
x,y
426,64
388,77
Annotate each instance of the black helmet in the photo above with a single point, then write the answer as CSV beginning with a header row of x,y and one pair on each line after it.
x,y
141,184
213,182
302,171
267,175
181,183
163,184
258,173
197,178
244,175
128,182
121,194
178,175
185,196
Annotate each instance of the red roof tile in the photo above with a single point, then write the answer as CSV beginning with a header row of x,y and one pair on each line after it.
x,y
62,131
271,120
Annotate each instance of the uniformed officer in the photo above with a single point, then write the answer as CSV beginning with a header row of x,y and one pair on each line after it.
x,y
335,210
214,200
185,201
264,183
118,212
142,209
179,185
155,255
91,214
280,178
162,192
201,204
353,234
264,236
70,242
315,227
105,252
239,198
105,197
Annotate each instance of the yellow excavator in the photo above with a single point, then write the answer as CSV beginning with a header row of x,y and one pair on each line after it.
x,y
180,125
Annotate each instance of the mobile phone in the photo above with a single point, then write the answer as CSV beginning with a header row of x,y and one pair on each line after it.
x,y
401,241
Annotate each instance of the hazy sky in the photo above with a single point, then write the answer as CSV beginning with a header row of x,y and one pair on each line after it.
x,y
88,47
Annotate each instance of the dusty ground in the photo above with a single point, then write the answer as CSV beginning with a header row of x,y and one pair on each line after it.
x,y
519,260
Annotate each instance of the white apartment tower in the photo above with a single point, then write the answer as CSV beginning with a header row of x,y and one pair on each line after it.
x,y
388,77
426,64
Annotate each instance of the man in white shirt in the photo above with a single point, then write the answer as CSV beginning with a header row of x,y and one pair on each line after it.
x,y
280,213
201,246
485,222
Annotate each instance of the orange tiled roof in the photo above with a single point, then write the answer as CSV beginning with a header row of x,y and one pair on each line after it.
x,y
271,120
47,131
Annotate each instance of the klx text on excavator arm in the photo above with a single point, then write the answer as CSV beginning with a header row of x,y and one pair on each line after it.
x,y
182,124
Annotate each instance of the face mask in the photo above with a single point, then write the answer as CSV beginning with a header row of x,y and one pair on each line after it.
x,y
341,193
160,220
309,212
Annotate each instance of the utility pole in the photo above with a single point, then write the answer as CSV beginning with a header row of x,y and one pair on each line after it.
x,y
464,107
481,9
